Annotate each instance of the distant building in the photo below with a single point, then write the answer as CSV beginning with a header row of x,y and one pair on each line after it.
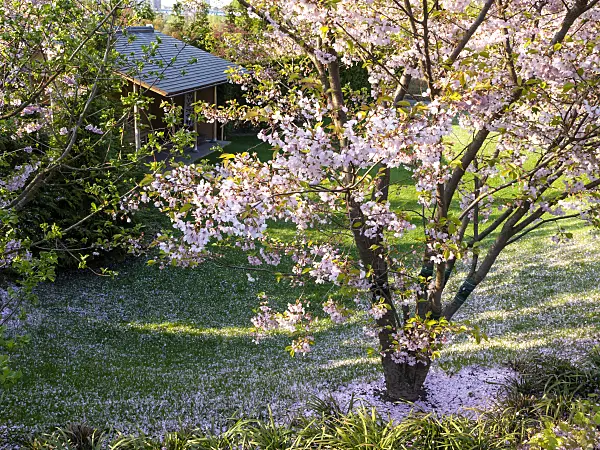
x,y
216,12
166,6
177,72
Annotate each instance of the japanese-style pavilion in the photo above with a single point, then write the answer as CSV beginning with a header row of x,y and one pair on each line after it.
x,y
169,69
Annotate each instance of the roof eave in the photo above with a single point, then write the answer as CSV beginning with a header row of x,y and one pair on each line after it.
x,y
154,88
148,86
199,88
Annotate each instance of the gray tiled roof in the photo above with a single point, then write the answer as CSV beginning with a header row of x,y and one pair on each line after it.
x,y
172,68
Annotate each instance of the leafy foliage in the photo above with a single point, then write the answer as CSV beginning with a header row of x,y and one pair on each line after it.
x,y
68,160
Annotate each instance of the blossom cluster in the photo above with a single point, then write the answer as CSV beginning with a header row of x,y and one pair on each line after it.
x,y
334,311
18,180
419,341
294,318
10,251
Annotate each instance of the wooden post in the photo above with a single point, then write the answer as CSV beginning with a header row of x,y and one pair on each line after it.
x,y
215,124
195,122
174,127
136,121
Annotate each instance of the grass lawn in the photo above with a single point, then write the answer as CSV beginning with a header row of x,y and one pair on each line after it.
x,y
241,144
153,349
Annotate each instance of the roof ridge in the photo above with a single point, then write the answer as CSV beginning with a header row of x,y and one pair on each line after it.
x,y
138,29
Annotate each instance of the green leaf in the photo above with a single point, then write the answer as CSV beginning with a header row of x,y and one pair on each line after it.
x,y
186,207
149,178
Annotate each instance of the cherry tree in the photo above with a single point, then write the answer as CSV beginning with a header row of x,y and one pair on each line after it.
x,y
521,76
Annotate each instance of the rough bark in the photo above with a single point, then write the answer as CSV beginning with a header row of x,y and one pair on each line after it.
x,y
402,381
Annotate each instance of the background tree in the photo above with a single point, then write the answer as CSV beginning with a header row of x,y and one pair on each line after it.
x,y
175,22
199,30
190,23
67,158
236,36
520,77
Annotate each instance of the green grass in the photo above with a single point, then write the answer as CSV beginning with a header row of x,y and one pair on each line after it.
x,y
550,404
152,347
155,349
541,298
240,144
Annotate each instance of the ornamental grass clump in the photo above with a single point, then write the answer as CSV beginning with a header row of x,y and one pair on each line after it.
x,y
72,437
365,428
551,404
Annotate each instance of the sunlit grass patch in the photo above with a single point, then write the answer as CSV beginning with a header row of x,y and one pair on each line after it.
x,y
180,328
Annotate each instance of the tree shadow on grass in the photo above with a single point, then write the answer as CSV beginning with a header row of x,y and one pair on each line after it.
x,y
541,299
86,366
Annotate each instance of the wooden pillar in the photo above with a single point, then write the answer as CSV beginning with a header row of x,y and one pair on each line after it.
x,y
173,104
215,124
195,122
136,120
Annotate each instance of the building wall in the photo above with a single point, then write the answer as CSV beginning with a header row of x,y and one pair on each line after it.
x,y
205,130
157,123
153,115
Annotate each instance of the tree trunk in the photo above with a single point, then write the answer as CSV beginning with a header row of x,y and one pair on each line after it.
x,y
403,381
